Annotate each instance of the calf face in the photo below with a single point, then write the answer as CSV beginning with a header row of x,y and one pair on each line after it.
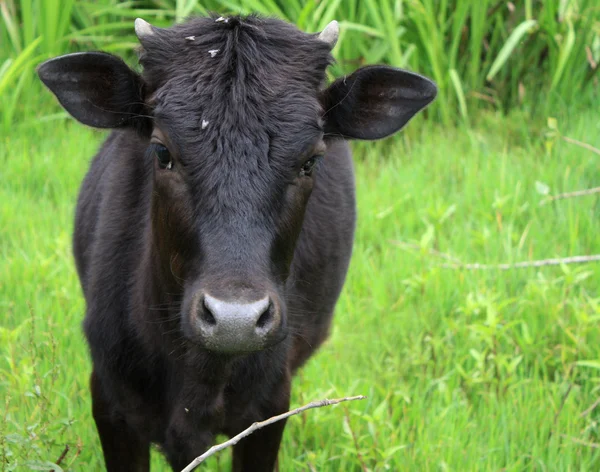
x,y
237,121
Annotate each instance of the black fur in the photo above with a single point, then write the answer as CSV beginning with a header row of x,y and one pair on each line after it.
x,y
236,216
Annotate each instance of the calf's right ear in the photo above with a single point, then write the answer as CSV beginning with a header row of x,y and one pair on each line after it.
x,y
96,88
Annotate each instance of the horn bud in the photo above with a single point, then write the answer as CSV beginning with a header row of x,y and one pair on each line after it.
x,y
330,34
143,29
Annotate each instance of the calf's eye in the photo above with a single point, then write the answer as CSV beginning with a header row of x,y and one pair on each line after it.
x,y
163,156
309,165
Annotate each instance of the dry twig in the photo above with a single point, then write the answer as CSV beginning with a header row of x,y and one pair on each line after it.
x,y
520,265
587,146
562,402
581,441
261,424
591,408
358,454
430,251
577,193
62,456
458,264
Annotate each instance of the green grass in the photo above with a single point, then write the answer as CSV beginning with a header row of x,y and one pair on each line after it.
x,y
464,370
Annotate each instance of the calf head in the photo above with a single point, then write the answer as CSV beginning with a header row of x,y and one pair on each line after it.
x,y
237,121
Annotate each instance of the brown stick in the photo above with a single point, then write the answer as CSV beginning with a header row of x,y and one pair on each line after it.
x,y
261,424
587,146
577,193
432,252
582,442
62,456
457,264
591,408
562,402
520,265
358,454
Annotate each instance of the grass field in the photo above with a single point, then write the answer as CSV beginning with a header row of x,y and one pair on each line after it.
x,y
464,370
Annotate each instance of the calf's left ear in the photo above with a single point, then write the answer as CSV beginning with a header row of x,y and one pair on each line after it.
x,y
96,88
375,102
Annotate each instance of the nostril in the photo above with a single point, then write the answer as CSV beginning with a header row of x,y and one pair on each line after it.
x,y
206,315
266,317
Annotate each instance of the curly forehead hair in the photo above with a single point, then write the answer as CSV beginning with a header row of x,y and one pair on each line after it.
x,y
236,52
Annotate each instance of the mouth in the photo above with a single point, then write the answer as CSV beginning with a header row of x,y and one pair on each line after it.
x,y
198,343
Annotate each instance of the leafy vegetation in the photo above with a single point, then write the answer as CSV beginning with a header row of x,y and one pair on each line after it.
x,y
484,54
464,370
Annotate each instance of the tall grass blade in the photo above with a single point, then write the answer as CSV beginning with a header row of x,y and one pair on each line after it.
x,y
511,43
22,61
460,95
565,51
10,24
